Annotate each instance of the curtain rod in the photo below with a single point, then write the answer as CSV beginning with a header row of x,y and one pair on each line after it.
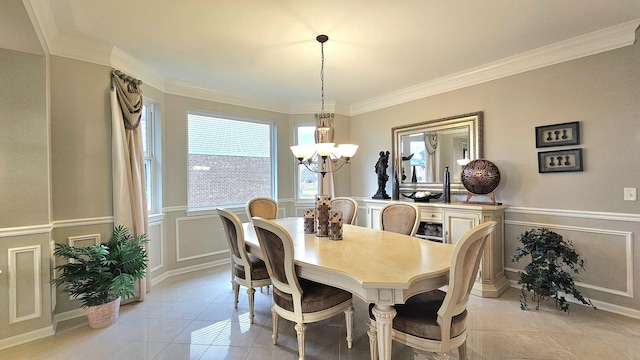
x,y
126,77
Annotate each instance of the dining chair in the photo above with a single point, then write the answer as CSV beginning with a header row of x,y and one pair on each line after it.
x,y
263,207
246,269
297,299
349,208
400,218
436,321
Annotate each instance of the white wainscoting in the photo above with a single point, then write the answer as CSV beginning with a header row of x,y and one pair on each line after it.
x,y
617,241
195,237
24,264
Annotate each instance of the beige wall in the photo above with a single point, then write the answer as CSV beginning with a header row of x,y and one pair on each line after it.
x,y
599,91
24,140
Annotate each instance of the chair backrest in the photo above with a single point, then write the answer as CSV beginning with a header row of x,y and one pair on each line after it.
x,y
349,208
462,274
277,250
400,218
235,238
263,207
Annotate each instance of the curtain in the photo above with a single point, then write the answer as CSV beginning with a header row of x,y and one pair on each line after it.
x,y
324,134
431,144
129,193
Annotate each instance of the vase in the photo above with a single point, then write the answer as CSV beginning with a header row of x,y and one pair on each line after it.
x,y
309,221
104,315
446,186
335,226
323,206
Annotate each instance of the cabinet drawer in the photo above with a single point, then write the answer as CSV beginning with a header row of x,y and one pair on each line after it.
x,y
430,215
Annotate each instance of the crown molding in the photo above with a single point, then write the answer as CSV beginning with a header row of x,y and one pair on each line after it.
x,y
314,108
589,44
183,88
80,48
124,62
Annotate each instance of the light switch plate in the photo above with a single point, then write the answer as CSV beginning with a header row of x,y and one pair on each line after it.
x,y
630,194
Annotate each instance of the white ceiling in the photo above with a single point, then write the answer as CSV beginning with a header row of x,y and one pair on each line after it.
x,y
267,49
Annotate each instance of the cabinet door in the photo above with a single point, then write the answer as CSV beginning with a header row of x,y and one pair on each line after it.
x,y
374,217
458,223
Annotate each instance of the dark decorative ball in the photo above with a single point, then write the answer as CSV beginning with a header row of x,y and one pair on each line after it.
x,y
480,176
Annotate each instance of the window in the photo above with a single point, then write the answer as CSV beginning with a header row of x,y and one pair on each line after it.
x,y
147,128
307,181
230,160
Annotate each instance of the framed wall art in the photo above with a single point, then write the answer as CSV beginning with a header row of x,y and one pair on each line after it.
x,y
558,134
560,161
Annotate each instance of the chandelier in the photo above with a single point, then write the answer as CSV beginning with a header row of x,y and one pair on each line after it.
x,y
324,156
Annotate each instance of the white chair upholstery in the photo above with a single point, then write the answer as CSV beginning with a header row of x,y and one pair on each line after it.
x,y
436,321
246,270
263,207
400,218
349,208
297,299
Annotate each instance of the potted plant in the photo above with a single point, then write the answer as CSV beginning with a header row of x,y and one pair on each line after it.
x,y
101,275
548,274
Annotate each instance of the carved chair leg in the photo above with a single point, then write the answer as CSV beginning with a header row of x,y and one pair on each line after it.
x,y
274,316
300,329
349,318
462,351
236,291
250,294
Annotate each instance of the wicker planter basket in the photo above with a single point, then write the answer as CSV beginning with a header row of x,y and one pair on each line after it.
x,y
105,315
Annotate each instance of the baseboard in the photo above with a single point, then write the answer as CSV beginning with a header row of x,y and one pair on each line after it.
x,y
188,269
27,337
600,305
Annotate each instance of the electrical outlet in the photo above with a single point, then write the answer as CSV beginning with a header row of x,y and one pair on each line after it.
x,y
630,194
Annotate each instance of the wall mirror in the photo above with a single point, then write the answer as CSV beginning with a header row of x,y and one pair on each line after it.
x,y
421,151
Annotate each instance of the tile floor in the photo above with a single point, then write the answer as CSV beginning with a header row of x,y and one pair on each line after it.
x,y
192,317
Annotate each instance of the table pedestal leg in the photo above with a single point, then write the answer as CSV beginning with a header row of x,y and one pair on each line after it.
x,y
384,319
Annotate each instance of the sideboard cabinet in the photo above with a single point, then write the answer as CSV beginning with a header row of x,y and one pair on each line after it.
x,y
447,223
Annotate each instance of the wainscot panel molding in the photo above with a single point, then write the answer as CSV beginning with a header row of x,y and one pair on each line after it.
x,y
169,209
24,267
156,245
82,222
575,214
26,230
190,246
626,243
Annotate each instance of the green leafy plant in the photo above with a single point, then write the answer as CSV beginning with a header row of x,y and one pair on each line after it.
x,y
548,275
101,273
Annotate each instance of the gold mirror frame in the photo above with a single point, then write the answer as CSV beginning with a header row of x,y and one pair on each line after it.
x,y
445,127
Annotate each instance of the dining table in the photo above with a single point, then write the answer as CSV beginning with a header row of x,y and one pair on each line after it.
x,y
378,266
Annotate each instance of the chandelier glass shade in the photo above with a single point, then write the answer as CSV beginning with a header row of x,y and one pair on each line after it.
x,y
324,156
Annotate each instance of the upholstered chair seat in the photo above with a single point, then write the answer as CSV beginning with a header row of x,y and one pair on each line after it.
x,y
419,316
315,297
258,269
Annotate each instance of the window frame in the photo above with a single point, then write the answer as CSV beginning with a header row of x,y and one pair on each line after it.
x,y
151,156
272,154
297,180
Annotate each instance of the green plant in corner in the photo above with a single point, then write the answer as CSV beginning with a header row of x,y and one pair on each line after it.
x,y
546,275
101,273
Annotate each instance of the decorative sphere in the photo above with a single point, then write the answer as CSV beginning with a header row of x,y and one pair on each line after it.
x,y
480,176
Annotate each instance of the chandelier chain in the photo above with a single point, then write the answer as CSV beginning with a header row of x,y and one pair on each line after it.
x,y
322,78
